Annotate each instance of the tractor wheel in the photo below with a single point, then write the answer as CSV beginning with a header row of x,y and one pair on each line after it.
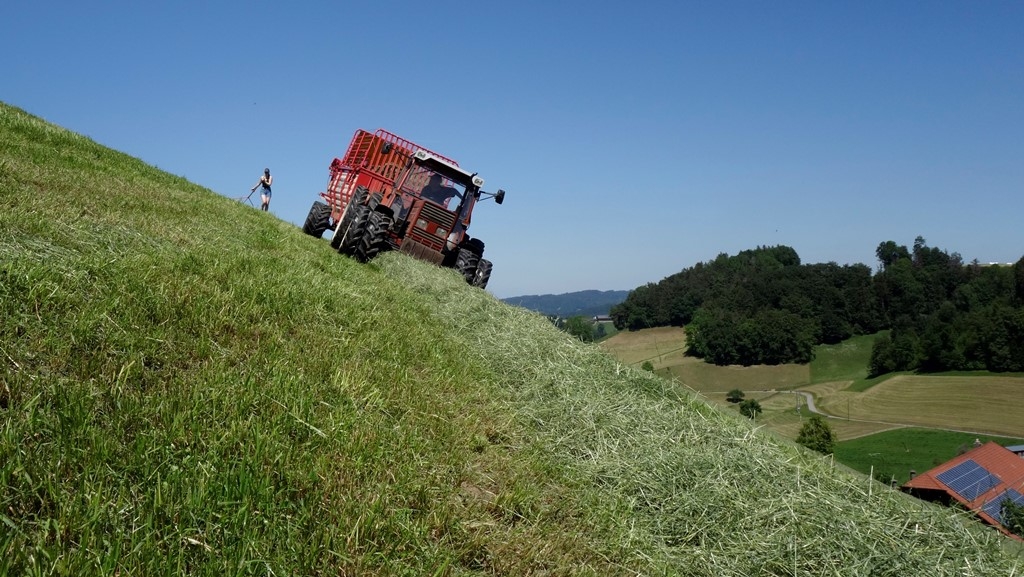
x,y
483,273
375,199
359,195
466,263
356,217
336,239
374,237
474,244
318,220
348,216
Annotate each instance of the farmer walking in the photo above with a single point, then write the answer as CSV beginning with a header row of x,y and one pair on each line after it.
x,y
265,182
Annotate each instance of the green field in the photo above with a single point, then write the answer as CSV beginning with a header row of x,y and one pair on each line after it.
x,y
846,361
189,386
837,379
894,454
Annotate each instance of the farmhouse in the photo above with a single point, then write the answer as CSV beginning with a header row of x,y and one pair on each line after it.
x,y
980,479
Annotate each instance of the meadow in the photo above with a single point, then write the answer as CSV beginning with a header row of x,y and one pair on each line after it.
x,y
909,450
189,386
837,379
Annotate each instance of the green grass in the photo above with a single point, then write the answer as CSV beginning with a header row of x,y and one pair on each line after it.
x,y
191,386
893,454
609,331
846,361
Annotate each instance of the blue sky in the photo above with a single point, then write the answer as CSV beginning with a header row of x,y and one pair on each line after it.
x,y
633,139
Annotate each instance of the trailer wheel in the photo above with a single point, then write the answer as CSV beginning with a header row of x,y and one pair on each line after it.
x,y
466,263
374,236
318,220
483,273
351,235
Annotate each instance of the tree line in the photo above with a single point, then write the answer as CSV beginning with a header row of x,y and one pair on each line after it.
x,y
762,306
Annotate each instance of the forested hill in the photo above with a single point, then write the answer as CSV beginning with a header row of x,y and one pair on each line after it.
x,y
763,306
582,303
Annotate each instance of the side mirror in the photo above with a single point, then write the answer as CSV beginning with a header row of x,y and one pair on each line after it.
x,y
386,149
499,197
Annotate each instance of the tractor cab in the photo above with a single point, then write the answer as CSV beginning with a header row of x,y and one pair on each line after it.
x,y
432,179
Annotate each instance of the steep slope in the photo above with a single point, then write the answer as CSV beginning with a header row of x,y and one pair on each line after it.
x,y
193,386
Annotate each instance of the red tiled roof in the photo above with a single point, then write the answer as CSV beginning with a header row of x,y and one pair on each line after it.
x,y
1006,465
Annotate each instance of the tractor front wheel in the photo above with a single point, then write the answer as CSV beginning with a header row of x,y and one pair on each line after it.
x,y
466,263
483,273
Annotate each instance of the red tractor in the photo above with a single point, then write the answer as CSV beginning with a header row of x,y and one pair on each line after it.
x,y
390,194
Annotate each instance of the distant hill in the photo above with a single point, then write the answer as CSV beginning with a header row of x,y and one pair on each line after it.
x,y
587,303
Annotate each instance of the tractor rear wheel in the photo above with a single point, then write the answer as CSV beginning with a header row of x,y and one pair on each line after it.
x,y
336,239
359,195
343,232
374,237
466,263
351,234
483,273
318,220
375,199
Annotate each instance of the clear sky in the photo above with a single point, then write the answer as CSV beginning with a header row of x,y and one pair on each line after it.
x,y
634,139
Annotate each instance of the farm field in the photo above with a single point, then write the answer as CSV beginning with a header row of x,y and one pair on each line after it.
x,y
908,449
661,346
665,349
971,404
837,380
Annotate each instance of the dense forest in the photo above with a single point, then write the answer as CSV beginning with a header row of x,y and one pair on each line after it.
x,y
763,306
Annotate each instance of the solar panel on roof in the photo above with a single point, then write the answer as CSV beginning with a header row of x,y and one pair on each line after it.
x,y
995,506
960,469
968,479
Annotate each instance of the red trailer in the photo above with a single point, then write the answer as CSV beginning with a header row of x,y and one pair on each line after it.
x,y
388,193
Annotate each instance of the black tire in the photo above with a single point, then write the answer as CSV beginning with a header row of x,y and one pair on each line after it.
x,y
318,220
466,263
336,239
474,244
347,218
359,196
374,237
483,273
375,199
352,233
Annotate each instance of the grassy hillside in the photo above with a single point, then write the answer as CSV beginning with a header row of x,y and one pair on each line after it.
x,y
191,386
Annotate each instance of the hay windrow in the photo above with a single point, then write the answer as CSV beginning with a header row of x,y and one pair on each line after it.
x,y
715,495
